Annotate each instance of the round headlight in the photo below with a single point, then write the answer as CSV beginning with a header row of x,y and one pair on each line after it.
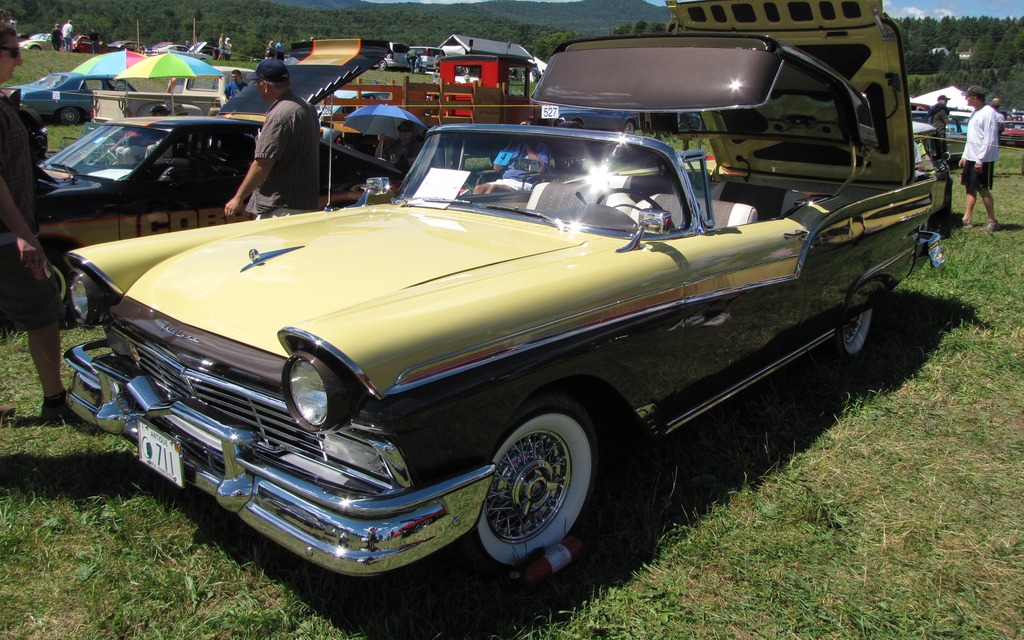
x,y
78,297
317,397
89,303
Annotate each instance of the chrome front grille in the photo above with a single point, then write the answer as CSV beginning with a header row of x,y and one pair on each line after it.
x,y
261,412
164,370
266,415
244,403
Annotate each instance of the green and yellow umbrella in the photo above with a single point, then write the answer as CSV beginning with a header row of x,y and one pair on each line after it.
x,y
170,65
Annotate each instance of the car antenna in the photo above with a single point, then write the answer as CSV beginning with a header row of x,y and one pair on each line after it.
x,y
330,138
330,162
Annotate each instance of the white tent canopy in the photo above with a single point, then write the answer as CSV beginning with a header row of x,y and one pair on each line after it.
x,y
955,95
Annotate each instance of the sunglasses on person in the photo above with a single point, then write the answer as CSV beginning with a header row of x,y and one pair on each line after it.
x,y
404,129
14,51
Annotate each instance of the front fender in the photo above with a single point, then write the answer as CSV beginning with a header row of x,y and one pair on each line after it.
x,y
120,264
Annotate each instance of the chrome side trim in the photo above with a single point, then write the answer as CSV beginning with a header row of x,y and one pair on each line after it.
x,y
79,262
492,351
680,420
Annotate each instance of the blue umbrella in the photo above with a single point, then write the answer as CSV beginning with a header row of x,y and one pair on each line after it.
x,y
384,119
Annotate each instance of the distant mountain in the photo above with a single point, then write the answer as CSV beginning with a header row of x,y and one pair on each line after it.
x,y
585,17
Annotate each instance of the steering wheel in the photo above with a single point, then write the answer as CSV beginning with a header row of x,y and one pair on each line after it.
x,y
108,158
636,195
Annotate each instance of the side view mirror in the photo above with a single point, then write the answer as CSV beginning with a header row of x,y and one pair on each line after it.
x,y
375,191
655,221
526,164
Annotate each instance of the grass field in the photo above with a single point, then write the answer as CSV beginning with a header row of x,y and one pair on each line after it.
x,y
879,498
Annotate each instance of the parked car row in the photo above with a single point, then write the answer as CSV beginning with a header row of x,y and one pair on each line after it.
x,y
202,49
65,96
81,44
1013,134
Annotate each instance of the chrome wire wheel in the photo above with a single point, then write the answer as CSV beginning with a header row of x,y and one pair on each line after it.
x,y
852,335
543,474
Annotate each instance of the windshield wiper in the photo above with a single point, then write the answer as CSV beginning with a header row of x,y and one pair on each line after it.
x,y
62,167
532,213
67,168
412,202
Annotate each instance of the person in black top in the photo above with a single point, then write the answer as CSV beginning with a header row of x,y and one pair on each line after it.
x,y
938,117
29,291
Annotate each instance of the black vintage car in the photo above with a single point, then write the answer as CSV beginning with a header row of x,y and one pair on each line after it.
x,y
143,176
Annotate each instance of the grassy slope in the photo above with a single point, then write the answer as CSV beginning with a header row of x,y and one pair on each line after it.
x,y
879,498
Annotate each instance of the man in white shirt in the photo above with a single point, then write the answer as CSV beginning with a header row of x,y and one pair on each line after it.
x,y
980,155
66,33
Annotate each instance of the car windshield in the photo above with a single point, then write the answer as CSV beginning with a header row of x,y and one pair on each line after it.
x,y
112,152
607,184
52,80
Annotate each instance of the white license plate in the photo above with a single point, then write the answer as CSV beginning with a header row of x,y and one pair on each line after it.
x,y
161,453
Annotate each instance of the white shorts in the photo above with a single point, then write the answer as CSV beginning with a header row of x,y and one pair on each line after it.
x,y
515,185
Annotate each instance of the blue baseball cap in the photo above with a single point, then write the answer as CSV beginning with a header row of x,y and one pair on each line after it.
x,y
270,70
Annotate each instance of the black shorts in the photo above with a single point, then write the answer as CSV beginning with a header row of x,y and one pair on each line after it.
x,y
28,303
977,178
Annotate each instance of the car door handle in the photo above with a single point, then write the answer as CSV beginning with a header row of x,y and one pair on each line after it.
x,y
800,235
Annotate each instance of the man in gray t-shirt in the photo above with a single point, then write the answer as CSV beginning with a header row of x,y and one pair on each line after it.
x,y
285,175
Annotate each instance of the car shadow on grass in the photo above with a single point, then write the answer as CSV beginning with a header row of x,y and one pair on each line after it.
x,y
648,487
76,476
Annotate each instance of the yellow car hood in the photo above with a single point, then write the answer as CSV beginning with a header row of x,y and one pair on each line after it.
x,y
333,266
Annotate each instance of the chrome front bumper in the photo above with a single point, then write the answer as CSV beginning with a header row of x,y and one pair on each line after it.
x,y
350,534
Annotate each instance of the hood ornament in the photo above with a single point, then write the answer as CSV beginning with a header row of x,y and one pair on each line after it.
x,y
257,259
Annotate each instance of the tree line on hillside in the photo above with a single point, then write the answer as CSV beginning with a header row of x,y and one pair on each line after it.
x,y
966,51
951,51
252,23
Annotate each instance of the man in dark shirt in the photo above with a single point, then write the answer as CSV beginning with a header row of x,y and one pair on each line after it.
x,y
29,293
938,117
284,177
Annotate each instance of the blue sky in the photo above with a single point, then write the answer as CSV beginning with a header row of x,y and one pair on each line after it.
x,y
904,8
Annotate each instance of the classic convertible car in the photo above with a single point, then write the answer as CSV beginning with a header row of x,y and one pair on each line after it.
x,y
369,385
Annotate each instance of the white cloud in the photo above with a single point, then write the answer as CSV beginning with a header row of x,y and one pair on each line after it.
x,y
958,9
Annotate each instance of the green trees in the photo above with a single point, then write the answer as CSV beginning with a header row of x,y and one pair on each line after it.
x,y
939,53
